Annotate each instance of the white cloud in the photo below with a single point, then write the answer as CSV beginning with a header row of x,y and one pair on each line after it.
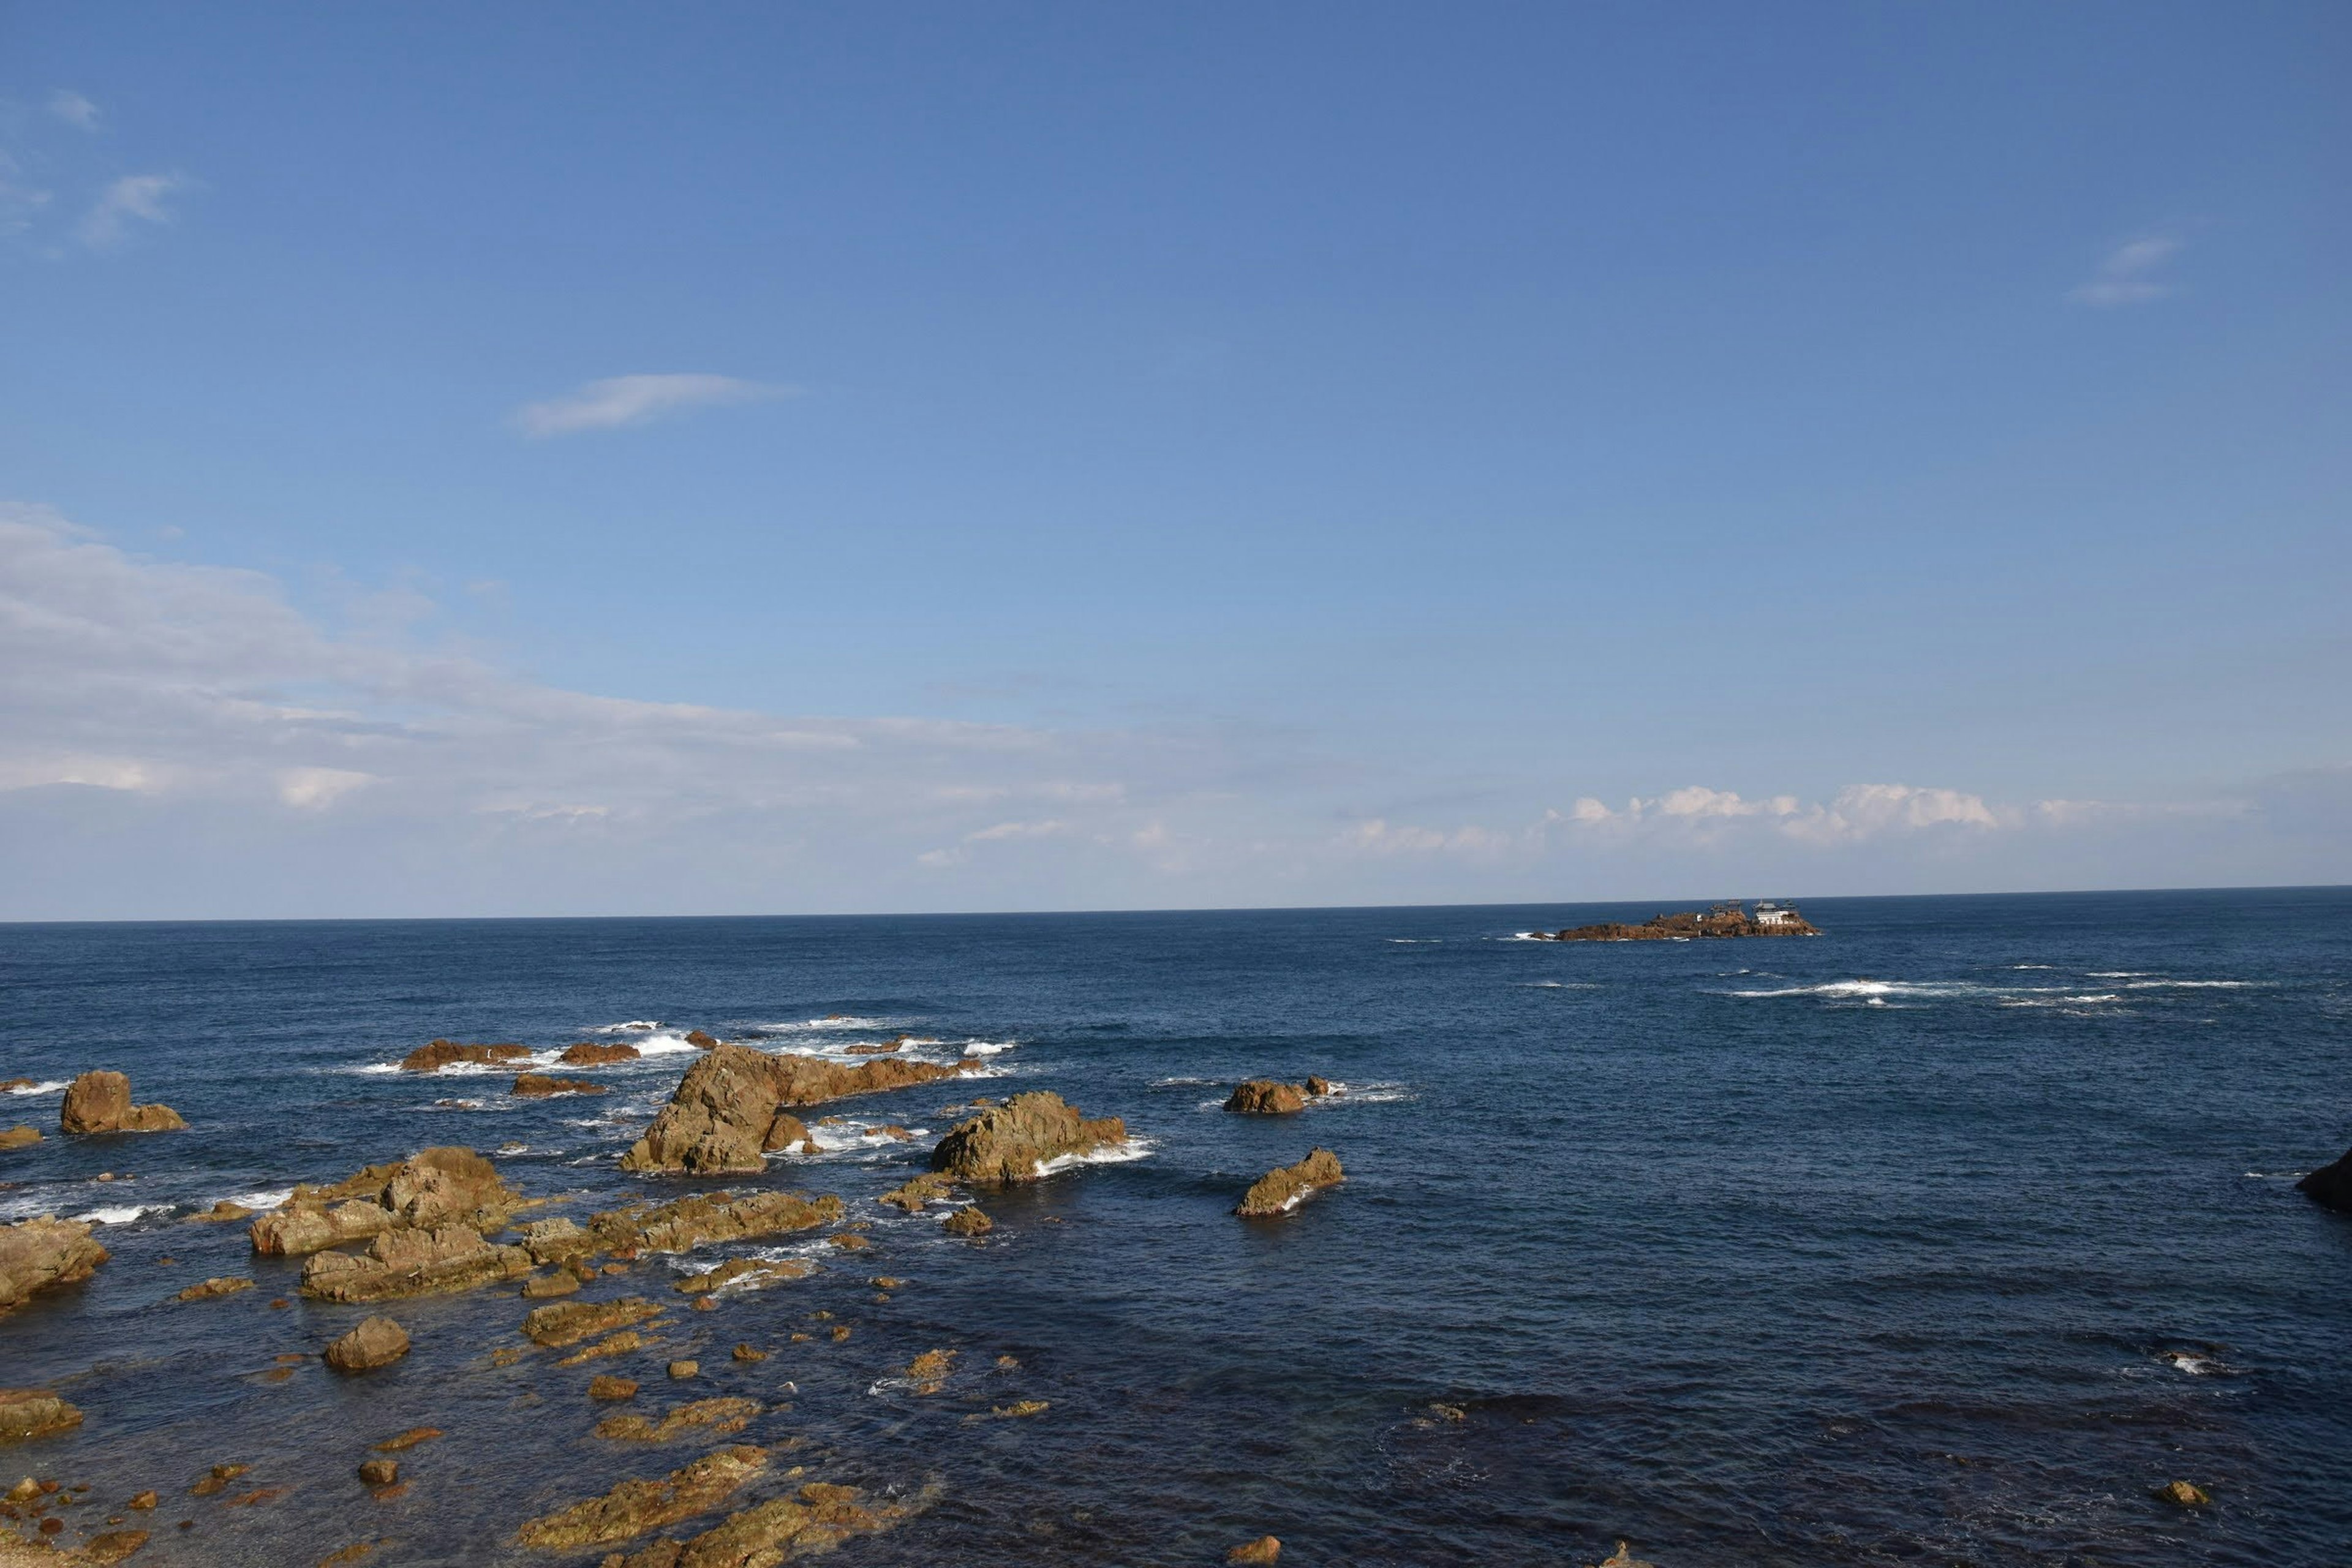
x,y
18,201
73,109
1377,836
2125,277
622,400
131,200
316,789
1699,814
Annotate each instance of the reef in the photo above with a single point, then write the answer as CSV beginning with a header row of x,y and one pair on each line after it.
x,y
100,1102
437,1186
439,1054
1724,919
728,1111
590,1054
635,1507
1281,1190
1014,1141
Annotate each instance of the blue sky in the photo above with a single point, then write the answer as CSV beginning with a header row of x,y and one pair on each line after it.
x,y
552,460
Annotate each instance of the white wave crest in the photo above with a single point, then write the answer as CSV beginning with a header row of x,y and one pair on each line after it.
x,y
633,1026
833,1022
46,1086
261,1199
1116,1154
121,1215
2193,985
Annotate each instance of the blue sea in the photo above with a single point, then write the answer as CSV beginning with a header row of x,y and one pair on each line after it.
x,y
1942,1238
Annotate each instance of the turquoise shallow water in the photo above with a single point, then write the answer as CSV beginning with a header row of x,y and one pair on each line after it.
x,y
1941,1238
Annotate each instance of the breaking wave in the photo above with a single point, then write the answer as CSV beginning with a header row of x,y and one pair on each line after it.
x,y
46,1086
1117,1154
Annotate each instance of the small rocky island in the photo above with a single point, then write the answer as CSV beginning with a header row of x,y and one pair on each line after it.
x,y
1729,917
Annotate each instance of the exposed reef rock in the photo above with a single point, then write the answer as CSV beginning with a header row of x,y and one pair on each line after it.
x,y
750,1273
412,1262
34,1413
19,1137
706,1217
37,1254
100,1102
221,1285
812,1521
1726,918
438,1187
968,1222
913,1194
1266,1097
2330,1185
440,1054
569,1322
224,1212
1281,1190
1625,1558
700,1040
634,1507
535,1085
1012,1141
717,1418
377,1342
723,1118
590,1054
1264,1548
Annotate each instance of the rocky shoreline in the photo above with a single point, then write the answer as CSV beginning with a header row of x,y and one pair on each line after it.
x,y
1724,919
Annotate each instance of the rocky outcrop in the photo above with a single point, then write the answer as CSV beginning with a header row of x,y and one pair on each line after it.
x,y
438,1186
569,1322
612,1389
37,1254
968,1222
750,1273
812,1522
100,1102
1282,1189
590,1054
224,1212
19,1137
707,1217
221,1285
913,1194
2179,1494
700,1040
723,1118
377,1342
1012,1141
27,1412
1266,1097
2330,1185
1724,919
537,1085
716,1417
441,1261
1264,1548
635,1507
439,1054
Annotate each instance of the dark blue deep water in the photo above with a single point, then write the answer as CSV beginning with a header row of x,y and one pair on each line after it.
x,y
1940,1239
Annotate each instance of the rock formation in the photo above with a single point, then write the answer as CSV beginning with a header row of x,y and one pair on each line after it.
x,y
535,1085
716,1417
1012,1141
19,1137
412,1262
569,1322
700,1040
1281,1190
1264,1548
1266,1097
1724,919
590,1054
438,1186
634,1507
751,1273
35,1254
727,1113
100,1102
1321,1087
222,1285
1625,1558
28,1413
911,1195
968,1222
377,1342
809,1524
2330,1185
439,1054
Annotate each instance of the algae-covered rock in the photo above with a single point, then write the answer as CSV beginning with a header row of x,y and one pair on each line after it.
x,y
635,1507
28,1413
569,1322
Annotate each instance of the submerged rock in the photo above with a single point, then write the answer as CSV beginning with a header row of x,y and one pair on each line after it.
x,y
2330,1185
968,1222
222,1285
569,1322
634,1507
539,1085
1012,1141
1281,1190
1264,1548
612,1388
912,1195
100,1102
28,1413
812,1521
1625,1558
38,1254
439,1054
435,1187
717,1418
380,1472
707,1218
20,1137
408,1439
1264,1097
590,1054
224,1212
441,1261
377,1342
723,1119
750,1273
2179,1494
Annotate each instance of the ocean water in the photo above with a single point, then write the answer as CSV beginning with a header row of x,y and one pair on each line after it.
x,y
1942,1238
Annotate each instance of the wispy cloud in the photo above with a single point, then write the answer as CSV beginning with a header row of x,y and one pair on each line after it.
x,y
130,201
621,400
73,109
2128,275
19,201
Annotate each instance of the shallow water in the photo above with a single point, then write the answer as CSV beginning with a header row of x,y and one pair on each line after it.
x,y
1941,1238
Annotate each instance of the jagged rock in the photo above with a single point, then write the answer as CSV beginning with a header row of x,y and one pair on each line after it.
x,y
440,1054
1280,1190
724,1113
912,1195
539,1085
1320,1087
2182,1494
787,1132
37,1254
20,1137
719,1418
222,1285
612,1388
539,1287
751,1273
707,1217
2330,1185
441,1261
557,1241
1264,1097
380,1472
569,1322
1264,1548
377,1342
590,1054
1012,1141
968,1222
812,1521
224,1212
100,1102
634,1507
34,1413
848,1241
435,1187
610,1345
8,1085
928,1372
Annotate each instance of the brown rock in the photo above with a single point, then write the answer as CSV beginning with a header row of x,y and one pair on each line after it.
x,y
380,1472
1320,1087
913,1194
146,1499
705,1304
7,1084
1012,1141
377,1342
1264,1548
112,1546
1625,1558
221,1213
223,1284
724,1111
589,1054
717,1418
100,1102
848,1241
810,1523
2181,1494
968,1222
435,1187
708,1217
610,1345
41,1254
751,1273
441,1261
748,1353
440,1054
219,1479
19,1137
685,1368
569,1322
538,1287
1264,1097
408,1439
27,1412
700,1040
929,1371
539,1085
1279,1190
787,1132
1019,1408
634,1507
612,1388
